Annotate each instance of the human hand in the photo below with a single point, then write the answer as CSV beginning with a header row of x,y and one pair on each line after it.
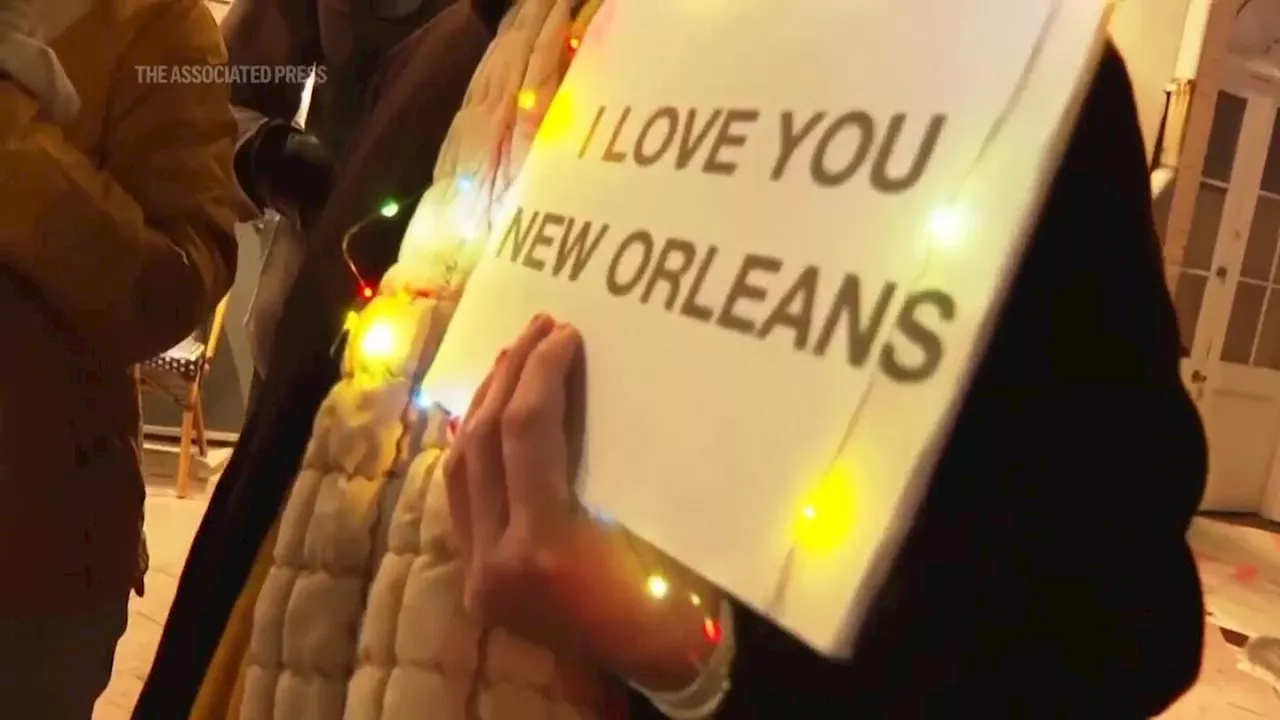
x,y
289,171
538,565
508,480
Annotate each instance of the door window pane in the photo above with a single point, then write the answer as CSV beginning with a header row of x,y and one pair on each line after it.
x,y
1205,221
1220,155
1271,172
1264,232
1246,311
1188,294
1267,354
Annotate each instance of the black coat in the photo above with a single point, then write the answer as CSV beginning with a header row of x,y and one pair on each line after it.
x,y
391,154
1048,575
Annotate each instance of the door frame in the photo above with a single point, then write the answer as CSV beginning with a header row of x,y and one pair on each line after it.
x,y
1229,246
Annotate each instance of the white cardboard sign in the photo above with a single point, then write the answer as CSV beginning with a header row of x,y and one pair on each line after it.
x,y
784,230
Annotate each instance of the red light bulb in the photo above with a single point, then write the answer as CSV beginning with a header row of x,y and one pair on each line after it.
x,y
574,43
366,292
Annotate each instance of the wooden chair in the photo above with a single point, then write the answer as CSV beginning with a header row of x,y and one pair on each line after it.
x,y
178,373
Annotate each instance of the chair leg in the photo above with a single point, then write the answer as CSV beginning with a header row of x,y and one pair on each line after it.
x,y
200,434
184,450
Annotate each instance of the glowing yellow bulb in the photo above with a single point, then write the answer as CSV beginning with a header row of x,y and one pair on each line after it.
x,y
658,586
527,100
827,514
379,342
947,225
353,319
697,601
559,119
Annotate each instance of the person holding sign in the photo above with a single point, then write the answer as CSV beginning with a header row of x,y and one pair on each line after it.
x,y
1047,574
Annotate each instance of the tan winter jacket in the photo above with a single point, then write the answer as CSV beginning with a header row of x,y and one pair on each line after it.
x,y
117,241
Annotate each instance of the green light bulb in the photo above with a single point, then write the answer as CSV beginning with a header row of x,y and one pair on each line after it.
x,y
390,209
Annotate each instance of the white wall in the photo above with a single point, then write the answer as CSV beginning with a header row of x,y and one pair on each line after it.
x,y
1149,35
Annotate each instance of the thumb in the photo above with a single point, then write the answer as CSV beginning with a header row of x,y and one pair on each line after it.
x,y
535,449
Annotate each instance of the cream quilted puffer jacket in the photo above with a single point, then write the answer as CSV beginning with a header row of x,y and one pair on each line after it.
x,y
361,616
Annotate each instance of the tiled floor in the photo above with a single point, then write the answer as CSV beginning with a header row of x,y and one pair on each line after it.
x,y
1240,568
1240,571
1224,692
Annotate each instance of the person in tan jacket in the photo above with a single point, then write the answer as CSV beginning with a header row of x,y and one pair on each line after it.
x,y
116,240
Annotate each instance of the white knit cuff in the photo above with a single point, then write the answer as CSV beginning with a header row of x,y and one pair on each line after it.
x,y
703,698
34,66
